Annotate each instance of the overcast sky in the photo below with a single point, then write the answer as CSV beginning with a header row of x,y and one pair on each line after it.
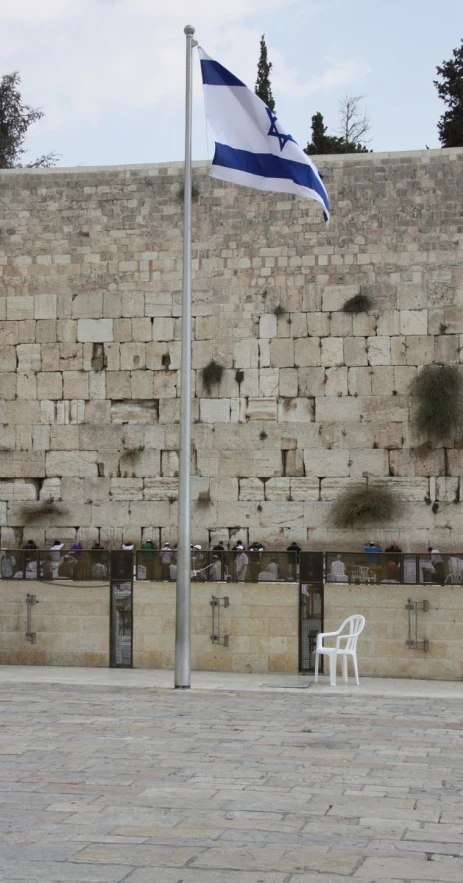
x,y
110,73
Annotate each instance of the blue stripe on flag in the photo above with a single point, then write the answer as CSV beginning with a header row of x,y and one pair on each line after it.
x,y
269,166
214,74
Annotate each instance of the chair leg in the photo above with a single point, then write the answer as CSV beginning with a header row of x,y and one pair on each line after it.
x,y
344,669
316,668
356,671
333,660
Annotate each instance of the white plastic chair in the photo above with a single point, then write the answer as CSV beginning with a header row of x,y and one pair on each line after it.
x,y
355,625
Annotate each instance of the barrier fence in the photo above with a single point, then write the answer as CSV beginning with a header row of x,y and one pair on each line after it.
x,y
366,567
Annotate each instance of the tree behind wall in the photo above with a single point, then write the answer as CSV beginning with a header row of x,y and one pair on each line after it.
x,y
15,119
450,125
324,143
263,86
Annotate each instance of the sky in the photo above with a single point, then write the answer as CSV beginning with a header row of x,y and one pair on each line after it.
x,y
109,74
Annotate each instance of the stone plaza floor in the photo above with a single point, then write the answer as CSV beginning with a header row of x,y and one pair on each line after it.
x,y
109,776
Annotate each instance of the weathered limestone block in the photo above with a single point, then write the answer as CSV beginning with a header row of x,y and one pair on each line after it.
x,y
45,331
9,333
123,330
79,463
214,410
8,386
411,463
336,382
246,354
142,465
141,411
261,409
86,306
224,489
331,488
50,357
27,331
132,356
64,438
70,356
92,438
363,325
118,385
7,358
379,350
28,357
49,385
291,515
332,351
112,352
335,296
163,329
383,408
66,330
318,324
95,330
19,308
98,412
369,463
51,489
403,377
110,514
388,323
296,410
322,463
388,435
311,382
165,384
382,380
169,464
304,489
359,381
13,464
142,384
448,490
293,462
18,491
75,385
268,382
97,385
419,350
158,304
447,349
282,353
413,322
330,409
164,489
341,324
141,331
355,351
126,488
411,490
250,489
277,489
307,352
298,325
288,385
455,462
411,296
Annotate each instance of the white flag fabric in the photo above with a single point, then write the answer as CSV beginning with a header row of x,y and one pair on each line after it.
x,y
251,147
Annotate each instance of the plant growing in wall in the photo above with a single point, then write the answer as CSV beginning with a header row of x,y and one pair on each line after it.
x,y
438,393
360,303
364,504
42,509
211,375
204,498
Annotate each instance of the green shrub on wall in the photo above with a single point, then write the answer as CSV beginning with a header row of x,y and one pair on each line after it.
x,y
438,390
364,504
212,375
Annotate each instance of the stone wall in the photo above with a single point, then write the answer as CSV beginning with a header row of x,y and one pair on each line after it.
x,y
382,649
311,399
71,622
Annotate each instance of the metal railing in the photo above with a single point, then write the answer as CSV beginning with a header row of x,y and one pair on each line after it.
x,y
363,567
406,568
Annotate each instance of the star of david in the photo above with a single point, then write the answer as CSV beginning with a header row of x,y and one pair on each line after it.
x,y
282,139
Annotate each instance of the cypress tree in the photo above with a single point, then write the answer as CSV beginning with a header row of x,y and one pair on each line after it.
x,y
263,86
450,125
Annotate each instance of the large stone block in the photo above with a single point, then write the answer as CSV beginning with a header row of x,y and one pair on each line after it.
x,y
95,330
261,409
296,410
326,463
307,352
282,353
78,463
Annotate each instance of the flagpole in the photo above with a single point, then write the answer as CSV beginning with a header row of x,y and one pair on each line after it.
x,y
183,595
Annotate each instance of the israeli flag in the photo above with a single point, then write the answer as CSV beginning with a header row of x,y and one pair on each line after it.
x,y
251,147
